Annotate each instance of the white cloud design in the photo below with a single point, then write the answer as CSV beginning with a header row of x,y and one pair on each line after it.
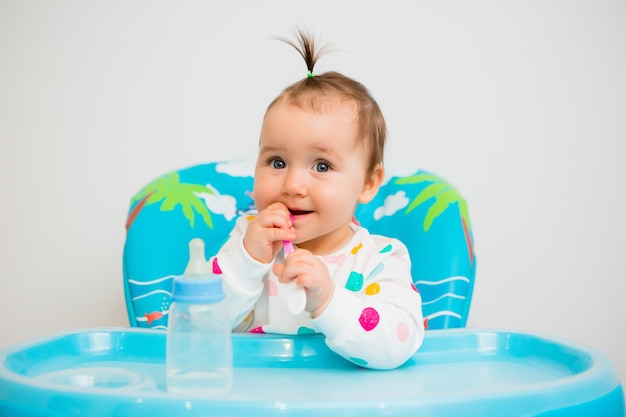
x,y
217,203
244,168
392,204
399,171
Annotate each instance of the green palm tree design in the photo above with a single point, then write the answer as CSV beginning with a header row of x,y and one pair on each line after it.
x,y
444,194
172,192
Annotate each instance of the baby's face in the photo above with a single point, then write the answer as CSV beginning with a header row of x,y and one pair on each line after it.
x,y
315,164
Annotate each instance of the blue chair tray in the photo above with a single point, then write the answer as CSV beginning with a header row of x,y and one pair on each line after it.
x,y
465,372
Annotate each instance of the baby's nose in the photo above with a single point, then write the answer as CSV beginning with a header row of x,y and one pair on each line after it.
x,y
295,182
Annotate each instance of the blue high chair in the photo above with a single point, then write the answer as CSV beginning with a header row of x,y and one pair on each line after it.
x,y
421,209
457,371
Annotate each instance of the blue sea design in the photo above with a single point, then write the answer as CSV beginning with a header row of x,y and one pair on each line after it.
x,y
444,299
152,296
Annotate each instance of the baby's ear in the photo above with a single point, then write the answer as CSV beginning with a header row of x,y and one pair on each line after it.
x,y
372,184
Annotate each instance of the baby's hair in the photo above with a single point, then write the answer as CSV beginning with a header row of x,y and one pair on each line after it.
x,y
306,49
314,91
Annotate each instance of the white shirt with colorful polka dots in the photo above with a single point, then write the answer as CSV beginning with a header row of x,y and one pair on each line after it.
x,y
374,318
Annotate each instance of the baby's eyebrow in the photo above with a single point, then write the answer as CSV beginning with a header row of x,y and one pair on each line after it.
x,y
325,150
270,148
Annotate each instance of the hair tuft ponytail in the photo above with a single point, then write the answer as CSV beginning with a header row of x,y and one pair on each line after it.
x,y
306,49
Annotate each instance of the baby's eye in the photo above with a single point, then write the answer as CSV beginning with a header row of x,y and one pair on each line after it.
x,y
277,163
321,166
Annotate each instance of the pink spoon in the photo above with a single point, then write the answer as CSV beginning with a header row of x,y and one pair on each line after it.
x,y
296,296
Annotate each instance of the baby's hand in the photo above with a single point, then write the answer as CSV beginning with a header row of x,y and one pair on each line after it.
x,y
266,232
308,271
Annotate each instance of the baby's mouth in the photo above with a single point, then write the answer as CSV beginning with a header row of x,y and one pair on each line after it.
x,y
299,212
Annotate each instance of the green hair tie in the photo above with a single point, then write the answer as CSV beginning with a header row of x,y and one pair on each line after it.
x,y
310,74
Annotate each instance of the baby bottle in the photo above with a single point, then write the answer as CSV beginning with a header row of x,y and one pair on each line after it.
x,y
199,358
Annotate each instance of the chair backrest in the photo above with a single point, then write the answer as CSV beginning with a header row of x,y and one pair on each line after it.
x,y
421,209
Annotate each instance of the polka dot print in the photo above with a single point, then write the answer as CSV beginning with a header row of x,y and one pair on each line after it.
x,y
305,330
356,249
386,249
257,330
272,288
248,317
335,259
216,268
403,331
372,289
369,319
379,268
359,361
355,281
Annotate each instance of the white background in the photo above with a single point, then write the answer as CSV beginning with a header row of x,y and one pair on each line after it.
x,y
521,104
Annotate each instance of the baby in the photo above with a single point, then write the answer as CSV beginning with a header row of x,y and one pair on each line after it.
x,y
320,155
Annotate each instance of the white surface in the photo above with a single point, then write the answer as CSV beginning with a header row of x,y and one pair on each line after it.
x,y
521,104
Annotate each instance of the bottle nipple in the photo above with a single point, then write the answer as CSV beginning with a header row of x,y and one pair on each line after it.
x,y
197,267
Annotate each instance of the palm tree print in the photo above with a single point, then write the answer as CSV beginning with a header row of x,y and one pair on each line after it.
x,y
444,194
172,192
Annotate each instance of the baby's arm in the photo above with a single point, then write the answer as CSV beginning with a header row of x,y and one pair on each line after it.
x,y
375,319
248,255
241,275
